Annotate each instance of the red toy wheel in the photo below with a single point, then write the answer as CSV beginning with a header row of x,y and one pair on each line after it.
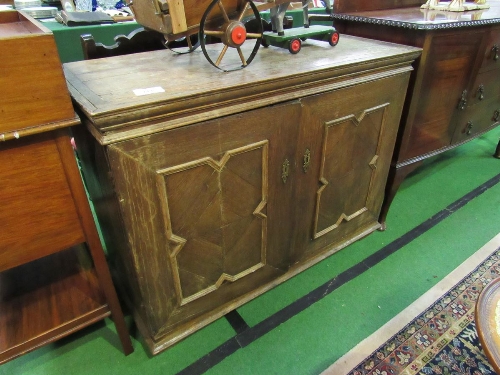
x,y
334,38
238,35
294,46
224,29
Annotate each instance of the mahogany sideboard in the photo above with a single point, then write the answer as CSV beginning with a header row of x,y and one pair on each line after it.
x,y
454,93
213,187
54,278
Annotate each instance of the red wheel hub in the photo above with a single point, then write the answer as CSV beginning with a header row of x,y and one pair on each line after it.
x,y
334,38
295,45
238,35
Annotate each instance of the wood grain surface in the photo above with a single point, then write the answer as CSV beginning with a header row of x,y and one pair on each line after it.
x,y
33,88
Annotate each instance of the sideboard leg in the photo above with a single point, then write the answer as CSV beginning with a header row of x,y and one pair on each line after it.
x,y
394,181
497,152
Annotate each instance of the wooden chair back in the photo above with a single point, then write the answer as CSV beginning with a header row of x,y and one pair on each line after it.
x,y
139,40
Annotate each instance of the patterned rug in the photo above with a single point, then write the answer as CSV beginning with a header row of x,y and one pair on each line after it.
x,y
441,339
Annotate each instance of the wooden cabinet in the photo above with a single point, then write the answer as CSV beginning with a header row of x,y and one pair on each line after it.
x,y
209,195
53,274
454,92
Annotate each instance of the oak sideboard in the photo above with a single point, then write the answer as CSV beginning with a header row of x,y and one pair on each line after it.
x,y
454,93
212,187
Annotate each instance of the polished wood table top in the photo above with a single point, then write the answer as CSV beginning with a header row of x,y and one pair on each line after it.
x,y
417,18
488,322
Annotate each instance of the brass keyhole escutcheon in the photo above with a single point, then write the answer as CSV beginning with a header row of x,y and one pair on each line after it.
x,y
285,170
307,160
480,91
463,100
468,128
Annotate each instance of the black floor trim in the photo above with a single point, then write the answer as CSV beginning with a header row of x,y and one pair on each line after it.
x,y
259,330
246,336
211,359
237,322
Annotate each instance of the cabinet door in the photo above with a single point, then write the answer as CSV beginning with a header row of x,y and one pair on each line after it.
x,y
350,136
207,210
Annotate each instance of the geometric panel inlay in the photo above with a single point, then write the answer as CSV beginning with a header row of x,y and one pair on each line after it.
x,y
215,218
348,164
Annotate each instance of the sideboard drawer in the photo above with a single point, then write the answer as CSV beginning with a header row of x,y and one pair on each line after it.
x,y
484,88
492,52
476,119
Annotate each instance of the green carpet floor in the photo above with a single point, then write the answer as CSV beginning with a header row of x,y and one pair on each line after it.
x,y
313,339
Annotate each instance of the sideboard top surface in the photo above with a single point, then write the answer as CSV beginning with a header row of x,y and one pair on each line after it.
x,y
173,86
425,19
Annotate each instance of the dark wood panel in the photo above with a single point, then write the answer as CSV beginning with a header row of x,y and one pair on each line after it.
x,y
381,32
449,65
485,87
492,51
476,119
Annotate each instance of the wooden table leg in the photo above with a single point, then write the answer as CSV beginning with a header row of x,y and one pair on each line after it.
x,y
497,152
394,181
